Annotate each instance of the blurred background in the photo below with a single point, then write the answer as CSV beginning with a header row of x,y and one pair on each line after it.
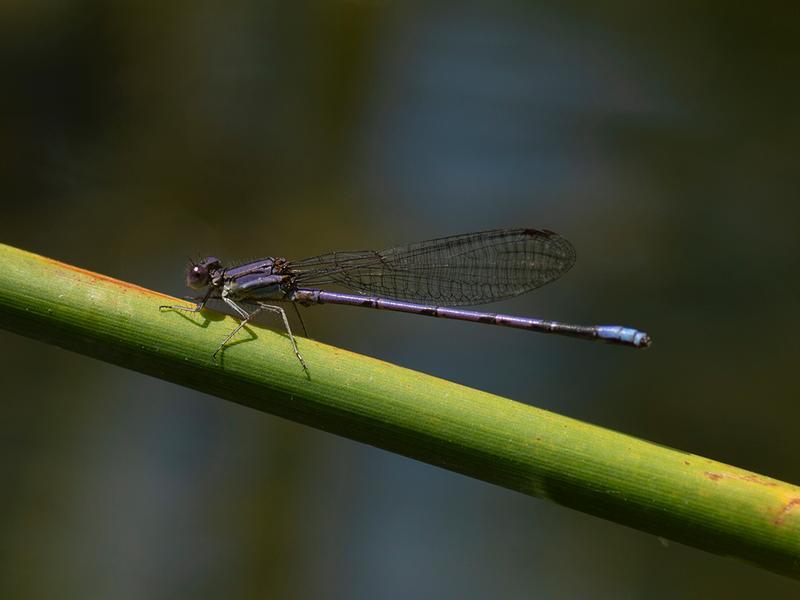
x,y
662,140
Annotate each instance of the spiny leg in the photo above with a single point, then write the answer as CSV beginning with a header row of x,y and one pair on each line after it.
x,y
196,308
300,318
245,318
279,310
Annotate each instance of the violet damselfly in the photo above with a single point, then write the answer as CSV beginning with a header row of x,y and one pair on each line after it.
x,y
425,278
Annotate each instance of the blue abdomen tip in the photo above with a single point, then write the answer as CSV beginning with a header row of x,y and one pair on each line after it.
x,y
624,335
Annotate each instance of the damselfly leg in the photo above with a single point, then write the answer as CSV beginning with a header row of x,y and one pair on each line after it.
x,y
246,317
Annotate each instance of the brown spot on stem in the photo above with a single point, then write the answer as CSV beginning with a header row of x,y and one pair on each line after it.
x,y
758,480
97,276
794,502
748,477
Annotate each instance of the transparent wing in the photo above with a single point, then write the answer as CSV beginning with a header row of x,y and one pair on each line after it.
x,y
468,269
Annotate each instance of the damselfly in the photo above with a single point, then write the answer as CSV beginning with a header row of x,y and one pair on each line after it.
x,y
426,278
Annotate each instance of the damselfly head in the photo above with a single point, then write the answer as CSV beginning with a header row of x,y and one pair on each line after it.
x,y
199,274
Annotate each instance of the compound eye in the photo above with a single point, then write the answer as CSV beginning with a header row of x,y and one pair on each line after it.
x,y
197,277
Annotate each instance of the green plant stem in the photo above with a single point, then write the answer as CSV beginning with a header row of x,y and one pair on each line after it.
x,y
676,495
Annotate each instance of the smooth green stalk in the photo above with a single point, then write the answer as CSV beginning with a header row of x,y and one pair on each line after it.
x,y
672,494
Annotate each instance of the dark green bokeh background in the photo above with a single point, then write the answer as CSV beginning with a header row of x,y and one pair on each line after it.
x,y
662,140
